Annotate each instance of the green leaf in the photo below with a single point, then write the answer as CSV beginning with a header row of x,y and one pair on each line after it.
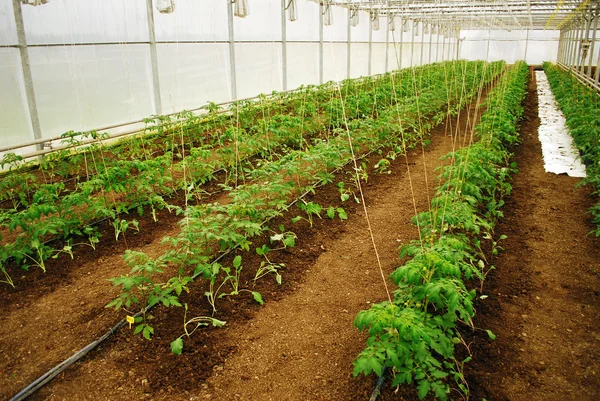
x,y
330,212
237,261
289,241
342,213
177,346
258,297
424,387
490,334
296,219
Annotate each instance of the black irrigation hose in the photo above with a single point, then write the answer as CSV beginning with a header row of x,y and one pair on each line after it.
x,y
378,385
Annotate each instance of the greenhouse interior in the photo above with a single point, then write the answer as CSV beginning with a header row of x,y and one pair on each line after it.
x,y
300,200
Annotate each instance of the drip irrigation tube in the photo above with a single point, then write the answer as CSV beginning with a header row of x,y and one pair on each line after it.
x,y
378,385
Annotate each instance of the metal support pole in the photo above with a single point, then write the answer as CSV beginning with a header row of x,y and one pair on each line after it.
x,y
349,47
570,43
422,44
371,47
26,69
458,48
560,47
526,45
401,39
444,48
154,58
577,48
321,43
283,46
597,75
233,73
430,44
487,53
387,46
593,46
412,42
565,46
437,46
588,25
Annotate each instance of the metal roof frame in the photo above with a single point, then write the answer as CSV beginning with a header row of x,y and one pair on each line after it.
x,y
481,14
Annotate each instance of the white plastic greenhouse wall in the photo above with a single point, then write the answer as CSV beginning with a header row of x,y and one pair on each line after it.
x,y
91,61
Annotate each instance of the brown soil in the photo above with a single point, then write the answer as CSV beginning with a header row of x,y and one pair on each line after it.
x,y
543,298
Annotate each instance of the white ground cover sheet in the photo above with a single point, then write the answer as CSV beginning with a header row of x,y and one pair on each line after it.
x,y
561,156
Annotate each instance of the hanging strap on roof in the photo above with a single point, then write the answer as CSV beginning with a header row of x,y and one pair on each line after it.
x,y
34,2
241,8
292,10
165,6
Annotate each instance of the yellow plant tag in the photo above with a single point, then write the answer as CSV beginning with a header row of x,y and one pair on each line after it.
x,y
130,320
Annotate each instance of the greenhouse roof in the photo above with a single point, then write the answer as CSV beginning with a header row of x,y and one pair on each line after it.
x,y
478,14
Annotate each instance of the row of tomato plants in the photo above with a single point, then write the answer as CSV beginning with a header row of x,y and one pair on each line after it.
x,y
208,229
210,129
109,195
263,137
581,107
416,334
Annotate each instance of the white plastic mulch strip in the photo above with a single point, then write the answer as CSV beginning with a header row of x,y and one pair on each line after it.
x,y
559,152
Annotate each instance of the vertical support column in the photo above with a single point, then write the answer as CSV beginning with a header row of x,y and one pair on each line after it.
x,y
593,46
565,46
560,47
387,45
437,45
349,48
588,23
412,42
153,58
458,48
444,48
371,46
430,43
487,53
26,69
402,21
570,43
233,73
577,48
321,43
573,59
422,42
526,45
283,46
597,75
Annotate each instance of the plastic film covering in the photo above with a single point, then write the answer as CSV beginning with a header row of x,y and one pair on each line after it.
x,y
84,87
90,21
378,58
509,45
302,64
15,127
261,68
192,74
199,20
359,59
8,30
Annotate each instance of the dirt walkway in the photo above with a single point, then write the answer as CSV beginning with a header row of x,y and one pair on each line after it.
x,y
544,300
